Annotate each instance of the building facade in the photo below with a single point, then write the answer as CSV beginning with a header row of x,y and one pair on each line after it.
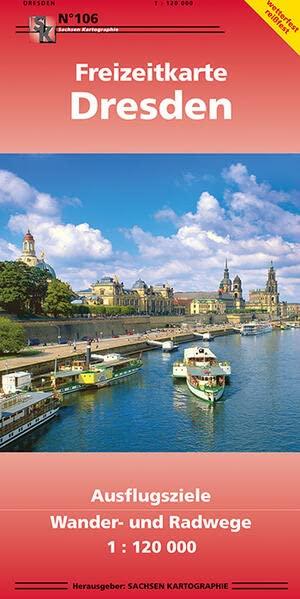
x,y
145,299
231,293
206,306
228,297
30,258
293,310
266,299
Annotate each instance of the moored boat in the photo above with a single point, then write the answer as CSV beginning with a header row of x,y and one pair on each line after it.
x,y
256,328
166,346
206,382
169,346
109,372
67,380
207,337
22,412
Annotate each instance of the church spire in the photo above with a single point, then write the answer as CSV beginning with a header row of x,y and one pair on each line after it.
x,y
226,284
226,271
271,285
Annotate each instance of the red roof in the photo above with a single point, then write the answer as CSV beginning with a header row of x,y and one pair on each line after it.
x,y
182,302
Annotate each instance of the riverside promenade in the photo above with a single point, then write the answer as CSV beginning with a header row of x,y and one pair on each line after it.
x,y
43,361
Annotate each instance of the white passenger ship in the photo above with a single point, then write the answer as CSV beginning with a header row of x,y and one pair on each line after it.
x,y
198,356
206,382
256,328
22,412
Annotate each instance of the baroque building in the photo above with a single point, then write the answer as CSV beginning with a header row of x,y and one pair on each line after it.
x,y
228,297
293,310
266,299
205,306
231,293
145,299
30,258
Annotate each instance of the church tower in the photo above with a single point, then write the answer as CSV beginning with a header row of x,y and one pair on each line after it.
x,y
272,295
28,252
238,293
225,285
271,286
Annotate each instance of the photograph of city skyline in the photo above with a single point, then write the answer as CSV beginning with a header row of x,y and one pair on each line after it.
x,y
149,303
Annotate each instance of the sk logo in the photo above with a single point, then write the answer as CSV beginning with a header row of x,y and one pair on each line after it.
x,y
42,29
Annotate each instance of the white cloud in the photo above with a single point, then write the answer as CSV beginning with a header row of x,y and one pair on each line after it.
x,y
167,214
45,204
189,178
63,242
8,251
41,213
14,190
193,259
79,241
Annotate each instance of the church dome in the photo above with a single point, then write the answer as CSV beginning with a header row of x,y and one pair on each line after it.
x,y
139,284
28,236
237,279
42,265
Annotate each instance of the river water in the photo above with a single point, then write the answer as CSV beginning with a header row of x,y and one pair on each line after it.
x,y
260,410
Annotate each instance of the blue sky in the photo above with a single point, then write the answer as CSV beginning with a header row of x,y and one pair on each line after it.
x,y
163,217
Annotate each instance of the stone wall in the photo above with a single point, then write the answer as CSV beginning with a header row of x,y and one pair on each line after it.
x,y
246,317
49,331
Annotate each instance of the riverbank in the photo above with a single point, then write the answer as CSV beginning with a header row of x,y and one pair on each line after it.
x,y
49,331
43,363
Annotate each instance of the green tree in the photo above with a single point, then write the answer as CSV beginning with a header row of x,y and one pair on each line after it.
x,y
14,286
80,309
58,299
12,336
128,310
38,285
113,310
22,288
98,309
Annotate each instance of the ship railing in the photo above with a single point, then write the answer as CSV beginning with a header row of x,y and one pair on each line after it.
x,y
13,399
25,419
214,388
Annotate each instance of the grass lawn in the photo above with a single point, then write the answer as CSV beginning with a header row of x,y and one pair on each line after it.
x,y
21,354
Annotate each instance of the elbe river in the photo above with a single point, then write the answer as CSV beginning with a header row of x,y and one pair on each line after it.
x,y
260,409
